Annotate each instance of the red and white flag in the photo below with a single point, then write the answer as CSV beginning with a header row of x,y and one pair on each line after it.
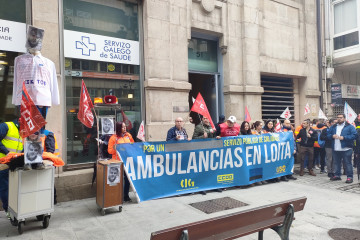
x,y
126,121
85,114
247,115
286,114
278,126
199,106
31,119
141,132
350,114
307,109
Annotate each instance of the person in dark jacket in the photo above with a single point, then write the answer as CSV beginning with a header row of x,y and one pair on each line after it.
x,y
328,148
308,137
204,129
342,136
178,132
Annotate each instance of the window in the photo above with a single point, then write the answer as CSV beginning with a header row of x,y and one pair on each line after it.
x,y
12,44
99,21
346,32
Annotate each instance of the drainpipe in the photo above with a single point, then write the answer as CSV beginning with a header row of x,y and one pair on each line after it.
x,y
318,28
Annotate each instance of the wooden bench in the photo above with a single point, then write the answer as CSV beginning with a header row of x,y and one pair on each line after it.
x,y
277,216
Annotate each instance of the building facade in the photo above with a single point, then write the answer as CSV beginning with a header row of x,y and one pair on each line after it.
x,y
341,55
155,56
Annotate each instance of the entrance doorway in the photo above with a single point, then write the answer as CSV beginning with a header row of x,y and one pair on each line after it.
x,y
207,86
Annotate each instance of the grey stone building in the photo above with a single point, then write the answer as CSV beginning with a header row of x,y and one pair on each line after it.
x,y
155,55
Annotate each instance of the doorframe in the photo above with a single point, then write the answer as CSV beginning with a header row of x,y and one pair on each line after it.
x,y
216,76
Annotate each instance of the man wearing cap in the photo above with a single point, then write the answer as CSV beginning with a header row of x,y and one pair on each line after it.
x,y
229,128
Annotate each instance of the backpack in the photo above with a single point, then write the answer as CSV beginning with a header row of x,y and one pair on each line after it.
x,y
321,142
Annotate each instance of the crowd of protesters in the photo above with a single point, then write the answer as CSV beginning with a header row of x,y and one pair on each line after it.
x,y
319,145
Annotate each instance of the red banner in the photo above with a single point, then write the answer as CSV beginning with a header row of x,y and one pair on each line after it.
x,y
85,114
31,119
199,106
126,121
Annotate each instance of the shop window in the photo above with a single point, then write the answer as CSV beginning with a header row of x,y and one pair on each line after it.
x,y
12,16
116,23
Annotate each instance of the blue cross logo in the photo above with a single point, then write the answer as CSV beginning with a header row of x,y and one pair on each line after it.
x,y
85,46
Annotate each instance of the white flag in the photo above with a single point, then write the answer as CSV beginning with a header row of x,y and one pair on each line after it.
x,y
322,115
141,132
350,114
286,114
193,99
307,109
277,126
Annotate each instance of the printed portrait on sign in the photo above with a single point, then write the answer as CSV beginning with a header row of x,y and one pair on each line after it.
x,y
113,174
107,126
33,152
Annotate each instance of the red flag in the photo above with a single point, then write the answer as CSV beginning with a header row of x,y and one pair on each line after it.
x,y
85,114
126,121
199,106
31,119
247,115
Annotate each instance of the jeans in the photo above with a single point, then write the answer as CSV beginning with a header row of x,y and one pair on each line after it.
x,y
309,152
319,154
329,160
346,156
4,188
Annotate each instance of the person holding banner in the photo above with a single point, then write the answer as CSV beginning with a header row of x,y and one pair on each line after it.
x,y
286,127
269,127
229,128
178,132
257,128
204,130
245,128
121,136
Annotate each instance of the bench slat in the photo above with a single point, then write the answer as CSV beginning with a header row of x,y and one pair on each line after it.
x,y
233,225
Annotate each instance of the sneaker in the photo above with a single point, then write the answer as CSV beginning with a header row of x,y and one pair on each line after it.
x,y
8,215
349,180
218,190
317,167
330,175
335,178
322,171
27,167
203,192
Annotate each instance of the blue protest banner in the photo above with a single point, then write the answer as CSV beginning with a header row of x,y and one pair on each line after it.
x,y
162,169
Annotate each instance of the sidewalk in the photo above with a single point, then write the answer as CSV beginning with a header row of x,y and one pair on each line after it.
x,y
329,205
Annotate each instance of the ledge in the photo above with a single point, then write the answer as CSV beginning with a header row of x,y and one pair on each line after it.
x,y
160,84
312,93
236,89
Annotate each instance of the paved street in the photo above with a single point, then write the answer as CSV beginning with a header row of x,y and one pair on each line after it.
x,y
329,205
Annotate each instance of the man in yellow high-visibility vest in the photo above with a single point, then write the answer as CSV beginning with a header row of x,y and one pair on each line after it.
x,y
10,141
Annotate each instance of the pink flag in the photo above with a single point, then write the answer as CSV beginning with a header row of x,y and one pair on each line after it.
x,y
247,115
141,132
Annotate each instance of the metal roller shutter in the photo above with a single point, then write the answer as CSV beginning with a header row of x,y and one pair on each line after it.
x,y
278,94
